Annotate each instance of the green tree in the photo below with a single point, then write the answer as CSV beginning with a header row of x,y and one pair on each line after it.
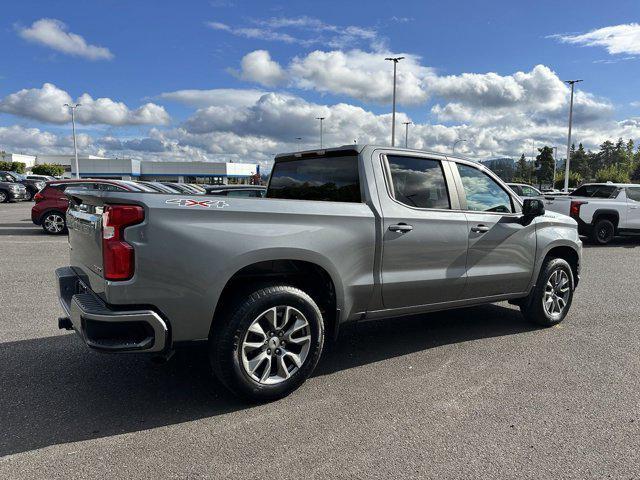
x,y
523,171
574,180
18,167
544,166
580,162
613,173
51,169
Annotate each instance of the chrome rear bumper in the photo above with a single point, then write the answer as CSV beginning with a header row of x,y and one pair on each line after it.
x,y
103,328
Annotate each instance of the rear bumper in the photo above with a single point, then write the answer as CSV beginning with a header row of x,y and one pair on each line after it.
x,y
103,328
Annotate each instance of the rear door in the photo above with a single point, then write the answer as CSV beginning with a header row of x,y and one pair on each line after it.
x,y
502,248
424,232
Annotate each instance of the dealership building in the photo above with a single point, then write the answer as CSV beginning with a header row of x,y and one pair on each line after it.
x,y
130,169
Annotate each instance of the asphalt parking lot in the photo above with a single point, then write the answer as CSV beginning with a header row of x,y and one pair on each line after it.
x,y
476,393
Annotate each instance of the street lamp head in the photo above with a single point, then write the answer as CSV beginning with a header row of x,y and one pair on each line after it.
x,y
394,59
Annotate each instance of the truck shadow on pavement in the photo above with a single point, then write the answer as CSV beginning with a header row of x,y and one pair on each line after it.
x,y
56,391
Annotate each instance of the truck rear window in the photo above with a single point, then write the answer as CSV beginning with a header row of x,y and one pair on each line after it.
x,y
596,191
331,179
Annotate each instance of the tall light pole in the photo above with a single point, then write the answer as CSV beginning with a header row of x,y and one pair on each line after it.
x,y
395,61
299,140
73,126
555,162
453,148
321,119
406,134
566,166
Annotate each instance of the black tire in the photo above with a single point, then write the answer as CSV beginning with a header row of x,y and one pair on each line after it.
x,y
603,232
28,195
231,328
4,196
533,308
47,222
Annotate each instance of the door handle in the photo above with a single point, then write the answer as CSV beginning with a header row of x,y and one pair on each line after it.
x,y
633,207
480,229
401,227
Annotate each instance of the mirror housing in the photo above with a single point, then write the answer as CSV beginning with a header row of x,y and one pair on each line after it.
x,y
532,207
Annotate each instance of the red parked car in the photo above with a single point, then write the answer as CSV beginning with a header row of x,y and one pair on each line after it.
x,y
51,202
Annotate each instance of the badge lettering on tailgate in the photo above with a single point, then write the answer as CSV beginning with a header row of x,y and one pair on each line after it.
x,y
184,202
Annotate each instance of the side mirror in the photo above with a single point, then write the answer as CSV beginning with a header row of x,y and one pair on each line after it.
x,y
532,207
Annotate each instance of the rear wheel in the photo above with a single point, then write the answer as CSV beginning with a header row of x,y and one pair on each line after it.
x,y
267,343
603,231
28,196
550,300
54,223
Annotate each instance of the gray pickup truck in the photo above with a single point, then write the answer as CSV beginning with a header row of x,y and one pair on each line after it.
x,y
343,235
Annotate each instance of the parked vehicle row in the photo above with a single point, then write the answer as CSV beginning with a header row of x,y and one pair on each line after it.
x,y
348,234
8,182
51,203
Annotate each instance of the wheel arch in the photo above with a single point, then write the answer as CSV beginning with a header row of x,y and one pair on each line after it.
x,y
316,277
608,214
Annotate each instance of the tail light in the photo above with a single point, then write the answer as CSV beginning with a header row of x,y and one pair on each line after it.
x,y
38,197
117,255
574,209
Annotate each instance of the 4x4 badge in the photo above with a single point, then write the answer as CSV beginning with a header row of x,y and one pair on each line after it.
x,y
184,202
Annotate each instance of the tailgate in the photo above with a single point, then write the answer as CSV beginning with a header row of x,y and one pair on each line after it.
x,y
84,222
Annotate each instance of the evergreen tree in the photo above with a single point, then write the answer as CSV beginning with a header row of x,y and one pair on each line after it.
x,y
580,162
544,166
523,170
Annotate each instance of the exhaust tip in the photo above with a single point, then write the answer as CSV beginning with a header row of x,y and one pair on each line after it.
x,y
64,323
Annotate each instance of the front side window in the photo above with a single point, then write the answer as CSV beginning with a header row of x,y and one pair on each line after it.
x,y
418,182
333,179
483,193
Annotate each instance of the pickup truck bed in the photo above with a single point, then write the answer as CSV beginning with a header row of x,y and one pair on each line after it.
x,y
344,235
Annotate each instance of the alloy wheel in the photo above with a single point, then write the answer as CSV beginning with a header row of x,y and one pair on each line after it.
x,y
54,223
276,345
556,293
3,197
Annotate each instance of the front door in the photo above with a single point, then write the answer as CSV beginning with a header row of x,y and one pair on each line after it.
x,y
502,247
633,208
424,238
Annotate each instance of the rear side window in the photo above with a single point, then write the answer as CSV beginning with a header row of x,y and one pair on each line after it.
x,y
596,191
418,182
332,179
483,193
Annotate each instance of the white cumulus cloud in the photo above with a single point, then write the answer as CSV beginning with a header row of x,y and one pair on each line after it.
x,y
54,34
47,105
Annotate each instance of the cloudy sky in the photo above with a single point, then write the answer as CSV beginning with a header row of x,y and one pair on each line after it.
x,y
242,80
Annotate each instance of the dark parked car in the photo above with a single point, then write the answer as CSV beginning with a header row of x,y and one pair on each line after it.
x,y
32,186
254,191
12,191
51,202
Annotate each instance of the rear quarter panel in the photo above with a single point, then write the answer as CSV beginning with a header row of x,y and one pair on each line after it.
x,y
186,255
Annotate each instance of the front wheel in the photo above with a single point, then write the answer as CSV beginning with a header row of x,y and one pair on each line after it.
x,y
3,196
550,300
28,196
267,342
